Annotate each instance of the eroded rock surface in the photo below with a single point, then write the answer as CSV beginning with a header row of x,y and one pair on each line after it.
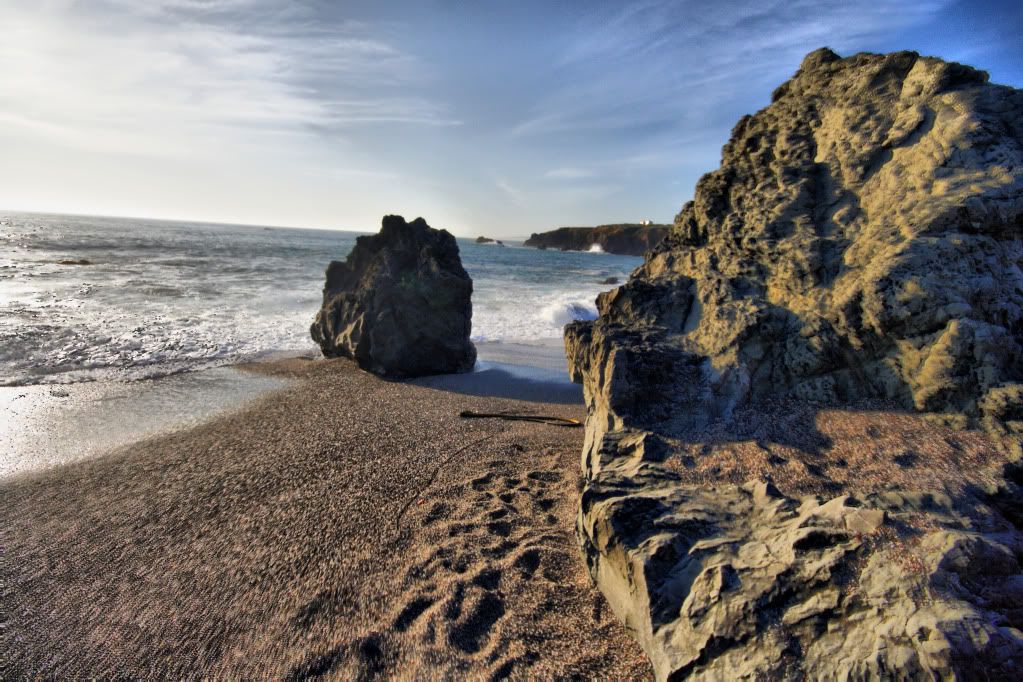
x,y
400,304
862,239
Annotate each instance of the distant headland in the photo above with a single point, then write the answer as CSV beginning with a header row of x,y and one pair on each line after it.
x,y
626,239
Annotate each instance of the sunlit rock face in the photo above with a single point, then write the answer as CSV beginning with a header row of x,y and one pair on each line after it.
x,y
862,239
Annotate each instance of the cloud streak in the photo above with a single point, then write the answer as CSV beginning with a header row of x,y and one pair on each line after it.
x,y
184,77
662,66
569,173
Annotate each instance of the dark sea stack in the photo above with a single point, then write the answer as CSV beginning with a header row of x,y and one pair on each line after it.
x,y
400,304
626,239
862,240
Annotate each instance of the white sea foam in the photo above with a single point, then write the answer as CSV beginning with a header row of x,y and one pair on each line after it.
x,y
561,313
165,298
532,315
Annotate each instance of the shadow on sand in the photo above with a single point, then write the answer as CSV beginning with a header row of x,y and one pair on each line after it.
x,y
497,380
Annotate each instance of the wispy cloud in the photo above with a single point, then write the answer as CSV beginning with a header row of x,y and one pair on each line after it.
x,y
568,173
667,65
184,77
513,193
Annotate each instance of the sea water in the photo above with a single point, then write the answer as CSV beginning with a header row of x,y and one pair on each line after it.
x,y
156,298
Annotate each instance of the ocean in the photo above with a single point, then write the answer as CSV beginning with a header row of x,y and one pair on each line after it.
x,y
157,298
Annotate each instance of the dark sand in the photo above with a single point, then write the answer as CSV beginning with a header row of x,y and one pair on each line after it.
x,y
343,527
807,449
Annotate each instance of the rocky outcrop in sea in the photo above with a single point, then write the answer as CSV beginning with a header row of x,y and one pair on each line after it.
x,y
623,239
861,241
400,304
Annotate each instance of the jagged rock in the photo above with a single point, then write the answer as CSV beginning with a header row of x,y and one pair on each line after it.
x,y
863,239
487,240
627,239
399,305
740,581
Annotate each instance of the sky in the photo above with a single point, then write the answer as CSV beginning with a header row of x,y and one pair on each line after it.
x,y
484,117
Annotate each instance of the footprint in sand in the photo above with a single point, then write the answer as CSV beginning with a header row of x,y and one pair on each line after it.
x,y
501,528
438,511
499,551
488,578
487,548
412,611
471,630
483,482
544,504
528,561
906,459
546,476
367,653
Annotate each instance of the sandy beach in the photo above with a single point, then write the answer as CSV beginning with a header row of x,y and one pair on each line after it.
x,y
342,526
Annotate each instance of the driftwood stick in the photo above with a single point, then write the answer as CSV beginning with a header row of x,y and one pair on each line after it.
x,y
540,418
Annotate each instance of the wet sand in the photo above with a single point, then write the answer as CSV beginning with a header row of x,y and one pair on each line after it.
x,y
48,425
342,526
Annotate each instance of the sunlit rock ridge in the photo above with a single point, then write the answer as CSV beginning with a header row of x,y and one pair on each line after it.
x,y
862,239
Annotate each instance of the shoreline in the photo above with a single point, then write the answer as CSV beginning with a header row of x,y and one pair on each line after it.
x,y
47,425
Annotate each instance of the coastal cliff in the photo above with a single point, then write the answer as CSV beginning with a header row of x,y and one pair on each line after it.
x,y
623,239
760,497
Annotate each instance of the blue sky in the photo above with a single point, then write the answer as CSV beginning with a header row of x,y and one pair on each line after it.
x,y
498,118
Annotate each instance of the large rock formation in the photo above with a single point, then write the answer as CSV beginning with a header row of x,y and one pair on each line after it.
x,y
862,239
624,239
400,304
